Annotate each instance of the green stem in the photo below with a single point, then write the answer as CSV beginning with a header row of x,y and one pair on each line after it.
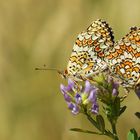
x,y
114,128
113,125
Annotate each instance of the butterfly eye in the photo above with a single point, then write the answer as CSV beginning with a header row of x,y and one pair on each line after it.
x,y
66,72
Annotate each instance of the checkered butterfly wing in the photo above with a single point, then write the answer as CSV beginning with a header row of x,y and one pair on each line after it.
x,y
88,52
124,58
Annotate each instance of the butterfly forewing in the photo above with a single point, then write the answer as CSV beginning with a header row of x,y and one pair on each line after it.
x,y
89,49
124,58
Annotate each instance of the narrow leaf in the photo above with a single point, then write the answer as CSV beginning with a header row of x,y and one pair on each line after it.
x,y
84,131
108,133
122,109
92,121
100,122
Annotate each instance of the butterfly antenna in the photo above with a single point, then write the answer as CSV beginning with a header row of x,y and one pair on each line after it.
x,y
48,69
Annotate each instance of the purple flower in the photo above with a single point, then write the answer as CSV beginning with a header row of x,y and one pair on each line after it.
x,y
78,98
95,108
93,100
74,108
87,87
65,94
71,85
115,92
65,89
93,95
67,97
115,86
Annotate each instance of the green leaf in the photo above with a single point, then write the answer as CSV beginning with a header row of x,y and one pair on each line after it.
x,y
101,123
84,131
92,121
132,135
137,114
138,138
116,109
122,109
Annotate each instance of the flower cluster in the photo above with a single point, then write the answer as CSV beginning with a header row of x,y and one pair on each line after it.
x,y
80,98
85,98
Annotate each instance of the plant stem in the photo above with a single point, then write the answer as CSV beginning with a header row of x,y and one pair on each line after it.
x,y
113,125
114,128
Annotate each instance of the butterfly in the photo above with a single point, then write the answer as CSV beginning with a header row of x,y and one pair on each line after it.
x,y
124,60
94,52
87,57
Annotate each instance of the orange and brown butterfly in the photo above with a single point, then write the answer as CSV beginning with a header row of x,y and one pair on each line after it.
x,y
87,57
124,60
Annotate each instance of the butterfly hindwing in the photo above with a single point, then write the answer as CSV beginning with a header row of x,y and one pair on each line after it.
x,y
124,58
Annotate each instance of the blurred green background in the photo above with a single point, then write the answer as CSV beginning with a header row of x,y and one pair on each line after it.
x,y
38,32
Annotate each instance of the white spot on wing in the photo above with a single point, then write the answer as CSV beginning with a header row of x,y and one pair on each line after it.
x,y
122,70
